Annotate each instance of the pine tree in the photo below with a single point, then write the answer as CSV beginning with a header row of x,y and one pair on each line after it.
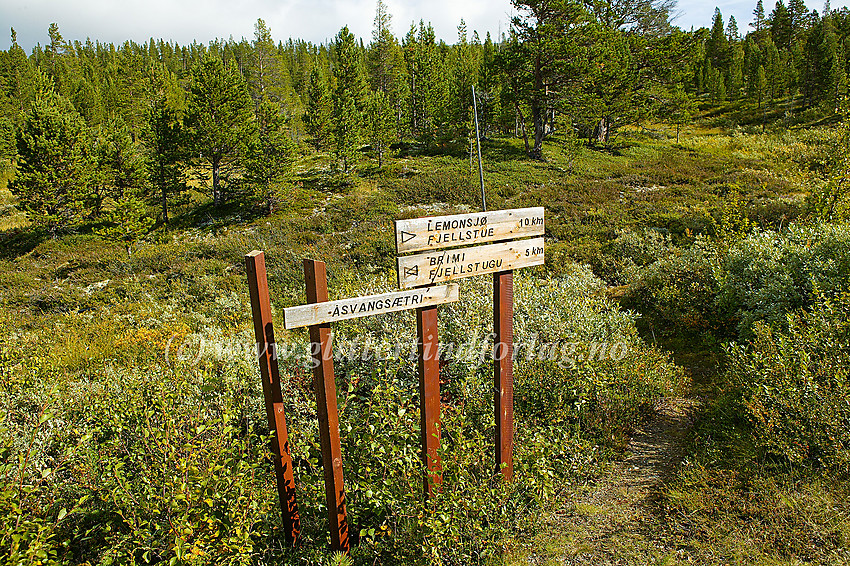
x,y
490,111
463,71
8,151
164,141
732,33
758,14
736,72
780,26
53,50
318,119
775,72
799,17
386,66
271,156
679,108
424,71
830,63
120,166
717,46
761,84
267,75
19,79
349,98
379,124
128,221
54,167
219,118
347,134
381,63
542,58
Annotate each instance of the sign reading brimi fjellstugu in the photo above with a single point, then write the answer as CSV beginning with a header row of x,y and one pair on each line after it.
x,y
447,265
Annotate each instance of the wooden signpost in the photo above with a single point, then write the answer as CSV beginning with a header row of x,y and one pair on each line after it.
x,y
500,259
267,355
317,316
324,385
417,278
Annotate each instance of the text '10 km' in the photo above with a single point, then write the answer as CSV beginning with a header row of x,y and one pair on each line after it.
x,y
434,233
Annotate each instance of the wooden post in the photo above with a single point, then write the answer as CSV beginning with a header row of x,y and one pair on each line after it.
x,y
429,396
503,353
325,387
267,356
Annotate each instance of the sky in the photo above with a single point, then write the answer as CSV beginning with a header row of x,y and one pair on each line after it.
x,y
314,20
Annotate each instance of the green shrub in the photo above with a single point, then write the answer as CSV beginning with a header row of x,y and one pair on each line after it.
x,y
792,385
679,291
770,274
451,181
630,251
38,450
178,471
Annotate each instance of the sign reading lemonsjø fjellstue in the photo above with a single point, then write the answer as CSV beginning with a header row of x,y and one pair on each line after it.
x,y
418,234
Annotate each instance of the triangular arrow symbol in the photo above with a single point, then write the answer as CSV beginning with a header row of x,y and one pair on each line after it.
x,y
406,237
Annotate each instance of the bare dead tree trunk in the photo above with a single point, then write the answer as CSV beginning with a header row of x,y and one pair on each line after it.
x,y
521,122
603,130
538,111
216,167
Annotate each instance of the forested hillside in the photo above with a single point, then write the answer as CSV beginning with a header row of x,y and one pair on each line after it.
x,y
117,124
695,297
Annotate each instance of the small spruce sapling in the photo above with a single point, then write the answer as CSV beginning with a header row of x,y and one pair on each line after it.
x,y
128,222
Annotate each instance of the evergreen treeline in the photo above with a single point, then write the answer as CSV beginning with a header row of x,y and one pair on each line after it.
x,y
98,130
789,54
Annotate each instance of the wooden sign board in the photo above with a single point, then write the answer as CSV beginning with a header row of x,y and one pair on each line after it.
x,y
321,313
438,232
436,267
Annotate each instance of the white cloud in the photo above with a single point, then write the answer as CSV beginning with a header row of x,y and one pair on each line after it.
x,y
314,20
204,20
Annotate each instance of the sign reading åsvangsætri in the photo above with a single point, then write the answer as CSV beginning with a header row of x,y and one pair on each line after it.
x,y
437,267
438,232
344,309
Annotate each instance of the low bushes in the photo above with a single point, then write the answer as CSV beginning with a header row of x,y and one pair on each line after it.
x,y
680,290
142,461
728,287
766,479
791,385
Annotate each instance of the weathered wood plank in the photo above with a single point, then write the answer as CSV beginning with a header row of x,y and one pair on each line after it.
x,y
436,267
344,309
438,232
324,385
428,347
258,287
503,358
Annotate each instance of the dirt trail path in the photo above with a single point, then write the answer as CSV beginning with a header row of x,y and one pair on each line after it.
x,y
614,524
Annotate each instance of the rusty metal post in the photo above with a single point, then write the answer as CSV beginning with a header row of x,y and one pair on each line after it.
x,y
429,396
503,354
267,356
325,387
